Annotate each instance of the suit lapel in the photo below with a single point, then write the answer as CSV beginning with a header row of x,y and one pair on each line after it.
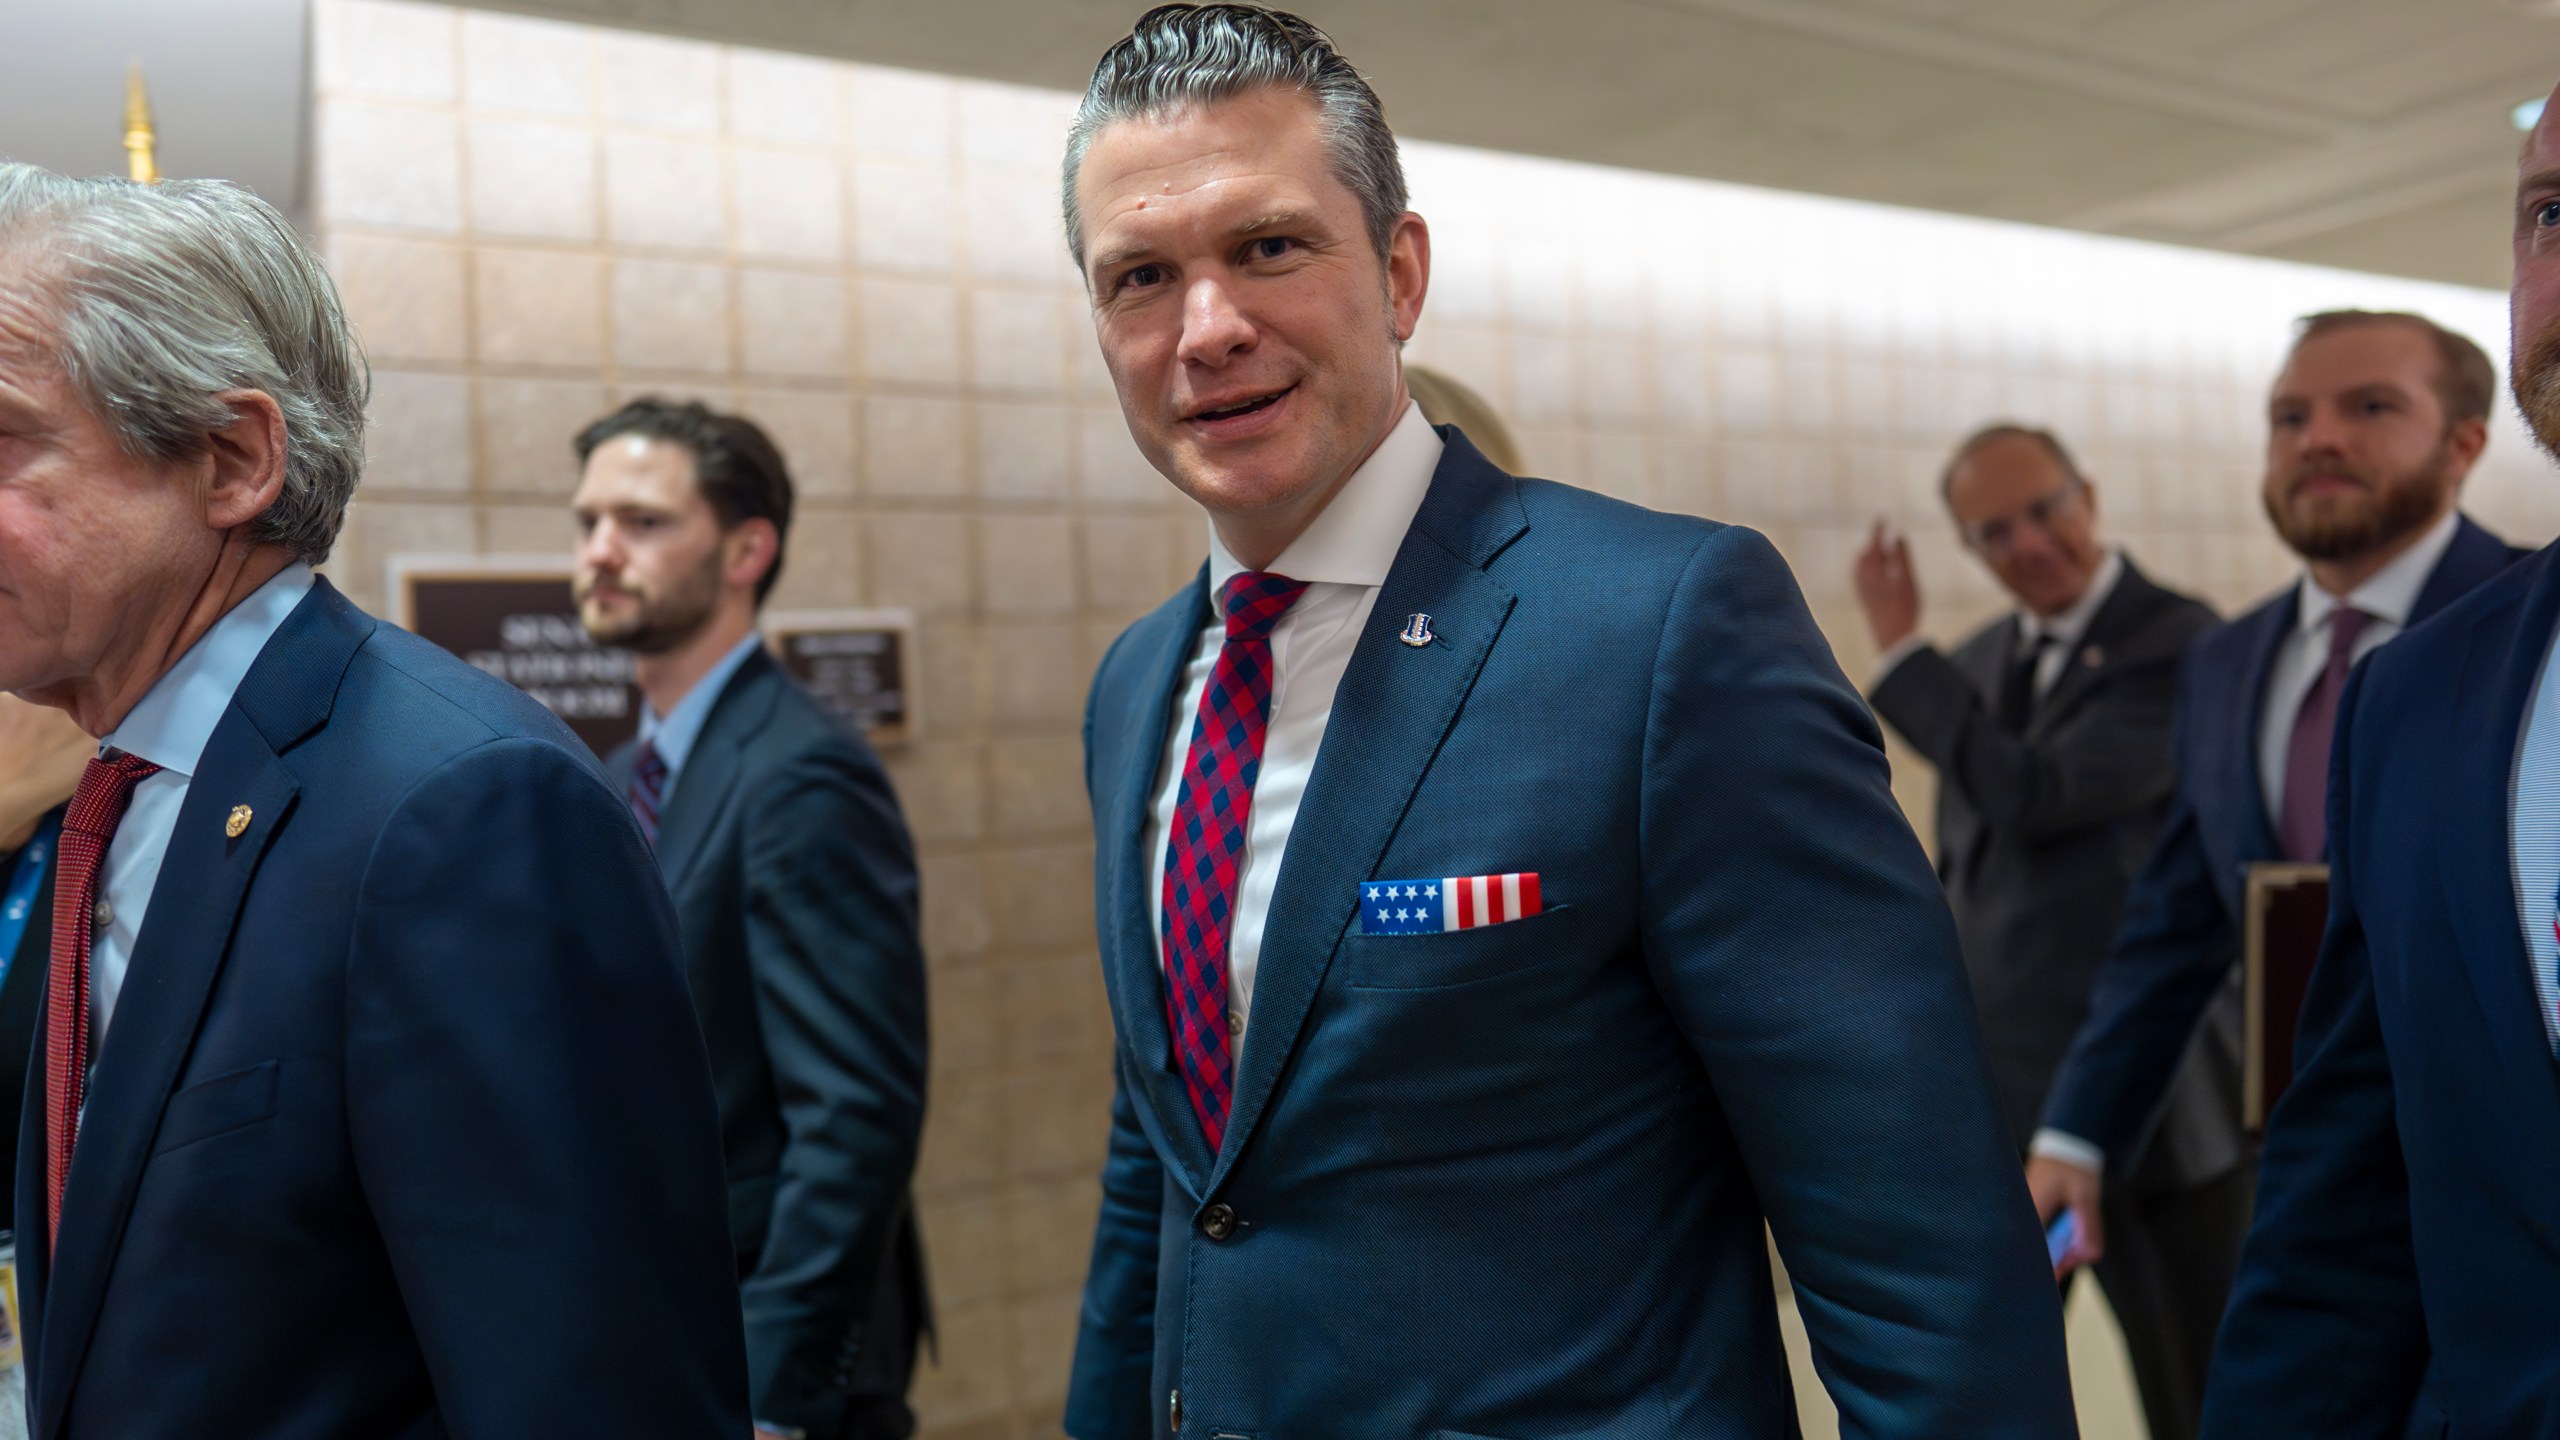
x,y
185,934
2498,682
1395,705
1139,722
708,784
2268,626
2102,644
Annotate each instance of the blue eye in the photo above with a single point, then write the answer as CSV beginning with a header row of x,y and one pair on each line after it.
x,y
1144,275
1270,248
2548,214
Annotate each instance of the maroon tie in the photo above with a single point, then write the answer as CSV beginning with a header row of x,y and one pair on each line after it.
x,y
2303,829
1205,852
97,808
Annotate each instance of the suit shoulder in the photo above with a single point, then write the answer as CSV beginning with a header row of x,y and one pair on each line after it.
x,y
802,727
418,706
2413,659
1603,549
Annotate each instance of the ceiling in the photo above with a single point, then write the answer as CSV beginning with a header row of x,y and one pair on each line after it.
x,y
2364,133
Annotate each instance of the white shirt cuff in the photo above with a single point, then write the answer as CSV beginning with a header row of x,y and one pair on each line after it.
x,y
1891,660
2070,1150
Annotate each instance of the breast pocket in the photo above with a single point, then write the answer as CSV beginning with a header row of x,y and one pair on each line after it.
x,y
228,1102
1459,957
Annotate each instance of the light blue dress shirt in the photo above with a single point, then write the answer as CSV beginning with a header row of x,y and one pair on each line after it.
x,y
674,735
2536,821
170,726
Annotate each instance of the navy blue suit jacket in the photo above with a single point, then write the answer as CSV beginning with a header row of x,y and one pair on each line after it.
x,y
403,1126
1510,1182
2181,933
2409,1199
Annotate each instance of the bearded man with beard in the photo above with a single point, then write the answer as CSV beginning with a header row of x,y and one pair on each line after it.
x,y
2402,1254
2372,426
795,895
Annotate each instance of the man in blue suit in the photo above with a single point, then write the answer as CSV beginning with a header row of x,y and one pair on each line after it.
x,y
1502,905
2411,1186
367,1097
2373,424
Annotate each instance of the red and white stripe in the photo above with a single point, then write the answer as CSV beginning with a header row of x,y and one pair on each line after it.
x,y
1467,901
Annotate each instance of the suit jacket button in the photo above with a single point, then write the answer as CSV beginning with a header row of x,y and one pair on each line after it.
x,y
1218,1221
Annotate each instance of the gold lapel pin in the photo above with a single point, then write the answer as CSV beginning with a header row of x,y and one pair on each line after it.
x,y
238,824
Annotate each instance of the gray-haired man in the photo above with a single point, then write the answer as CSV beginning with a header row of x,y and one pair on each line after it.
x,y
370,1098
1487,1151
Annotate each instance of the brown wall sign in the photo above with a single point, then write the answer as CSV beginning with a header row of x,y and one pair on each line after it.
x,y
859,663
513,617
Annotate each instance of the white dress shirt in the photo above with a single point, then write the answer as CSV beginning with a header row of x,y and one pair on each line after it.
x,y
169,727
2388,595
2064,630
674,735
2536,821
1343,557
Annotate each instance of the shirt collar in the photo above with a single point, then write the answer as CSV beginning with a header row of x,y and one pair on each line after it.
x,y
1355,538
2066,628
174,720
2389,593
674,735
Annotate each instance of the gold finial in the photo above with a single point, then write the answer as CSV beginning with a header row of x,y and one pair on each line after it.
x,y
139,160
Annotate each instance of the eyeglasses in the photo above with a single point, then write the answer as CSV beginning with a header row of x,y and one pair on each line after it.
x,y
1999,535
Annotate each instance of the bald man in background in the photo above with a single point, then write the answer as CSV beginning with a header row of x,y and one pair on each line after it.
x,y
2049,729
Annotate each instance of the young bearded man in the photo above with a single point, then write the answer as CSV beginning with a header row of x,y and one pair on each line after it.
x,y
795,892
1502,905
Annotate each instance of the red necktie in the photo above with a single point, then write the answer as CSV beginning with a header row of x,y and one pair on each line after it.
x,y
1205,852
97,807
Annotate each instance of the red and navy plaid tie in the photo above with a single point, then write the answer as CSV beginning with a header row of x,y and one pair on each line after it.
x,y
647,790
88,827
1205,852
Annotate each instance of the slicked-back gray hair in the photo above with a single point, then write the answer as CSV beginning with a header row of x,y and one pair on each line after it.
x,y
161,297
1178,56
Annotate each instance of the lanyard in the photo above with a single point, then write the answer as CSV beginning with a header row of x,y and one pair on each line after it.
x,y
19,901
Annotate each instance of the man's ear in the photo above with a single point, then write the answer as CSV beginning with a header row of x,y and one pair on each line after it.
x,y
244,461
752,550
2463,444
1408,272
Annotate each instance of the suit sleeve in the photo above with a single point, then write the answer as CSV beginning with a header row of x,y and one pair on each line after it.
x,y
1110,1386
2112,762
1111,1389
839,979
530,1110
1794,927
2173,952
2324,1335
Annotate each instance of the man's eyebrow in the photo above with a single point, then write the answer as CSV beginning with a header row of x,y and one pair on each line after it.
x,y
1276,220
2541,180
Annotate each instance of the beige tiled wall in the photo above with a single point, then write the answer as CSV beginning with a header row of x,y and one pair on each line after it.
x,y
532,221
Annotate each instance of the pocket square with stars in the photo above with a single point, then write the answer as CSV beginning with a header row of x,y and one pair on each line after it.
x,y
1457,902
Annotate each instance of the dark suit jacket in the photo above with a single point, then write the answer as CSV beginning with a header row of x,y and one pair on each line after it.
x,y
2175,956
402,1127
795,892
2040,833
2410,1194
1510,1181
19,1015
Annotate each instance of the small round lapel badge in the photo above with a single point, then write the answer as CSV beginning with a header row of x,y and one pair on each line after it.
x,y
1416,631
238,824
2093,657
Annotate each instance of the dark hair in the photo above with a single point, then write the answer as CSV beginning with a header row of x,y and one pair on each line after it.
x,y
736,466
2466,383
2007,430
1184,55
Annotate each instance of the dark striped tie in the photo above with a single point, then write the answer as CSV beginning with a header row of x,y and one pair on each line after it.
x,y
648,790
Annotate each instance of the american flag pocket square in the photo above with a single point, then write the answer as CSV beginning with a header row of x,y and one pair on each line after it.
x,y
1457,902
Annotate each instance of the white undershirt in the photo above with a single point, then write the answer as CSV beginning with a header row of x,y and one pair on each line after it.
x,y
1344,557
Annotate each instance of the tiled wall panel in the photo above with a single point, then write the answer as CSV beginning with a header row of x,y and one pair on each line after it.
x,y
533,220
